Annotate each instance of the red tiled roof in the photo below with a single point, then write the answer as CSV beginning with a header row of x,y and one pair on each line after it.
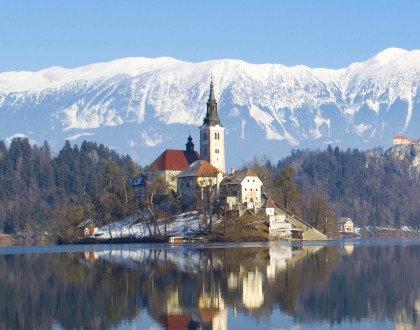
x,y
200,168
249,173
414,141
400,137
270,204
237,177
173,160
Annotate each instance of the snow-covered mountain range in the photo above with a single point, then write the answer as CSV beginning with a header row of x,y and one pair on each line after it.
x,y
142,106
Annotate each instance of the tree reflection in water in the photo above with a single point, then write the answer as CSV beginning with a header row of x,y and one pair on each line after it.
x,y
194,288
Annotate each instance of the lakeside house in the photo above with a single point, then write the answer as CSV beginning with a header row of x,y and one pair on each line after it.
x,y
89,227
345,225
242,187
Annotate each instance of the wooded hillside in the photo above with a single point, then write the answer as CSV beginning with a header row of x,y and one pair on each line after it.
x,y
367,186
35,187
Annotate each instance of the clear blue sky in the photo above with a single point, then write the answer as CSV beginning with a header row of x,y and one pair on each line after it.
x,y
317,33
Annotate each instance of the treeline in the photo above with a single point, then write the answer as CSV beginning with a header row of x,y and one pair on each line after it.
x,y
367,186
38,190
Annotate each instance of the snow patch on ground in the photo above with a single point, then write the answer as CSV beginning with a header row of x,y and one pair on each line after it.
x,y
184,224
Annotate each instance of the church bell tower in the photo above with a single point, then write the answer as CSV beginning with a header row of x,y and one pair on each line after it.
x,y
212,135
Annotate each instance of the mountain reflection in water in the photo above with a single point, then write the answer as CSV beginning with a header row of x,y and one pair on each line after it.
x,y
218,289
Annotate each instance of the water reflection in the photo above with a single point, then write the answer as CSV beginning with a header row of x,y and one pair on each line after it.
x,y
212,288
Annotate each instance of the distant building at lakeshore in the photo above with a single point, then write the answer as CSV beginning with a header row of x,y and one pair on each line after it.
x,y
345,225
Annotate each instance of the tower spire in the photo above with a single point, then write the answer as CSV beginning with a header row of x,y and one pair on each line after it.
x,y
190,145
212,117
212,99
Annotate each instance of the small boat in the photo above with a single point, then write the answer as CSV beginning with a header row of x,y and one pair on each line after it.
x,y
178,239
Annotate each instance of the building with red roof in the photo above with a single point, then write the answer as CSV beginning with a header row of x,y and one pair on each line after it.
x,y
243,187
400,140
268,206
177,160
163,172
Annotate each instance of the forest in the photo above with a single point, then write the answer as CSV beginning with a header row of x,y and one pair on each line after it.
x,y
370,187
39,191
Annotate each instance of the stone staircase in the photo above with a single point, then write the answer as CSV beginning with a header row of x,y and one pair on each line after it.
x,y
309,232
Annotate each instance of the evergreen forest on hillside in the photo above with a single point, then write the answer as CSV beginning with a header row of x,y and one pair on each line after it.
x,y
41,193
369,187
37,190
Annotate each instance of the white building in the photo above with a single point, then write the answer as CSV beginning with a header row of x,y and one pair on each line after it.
x,y
243,187
345,224
400,140
212,135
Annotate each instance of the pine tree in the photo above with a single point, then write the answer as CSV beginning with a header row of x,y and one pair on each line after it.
x,y
412,220
355,220
108,174
46,150
397,218
378,218
372,221
3,148
337,152
49,180
330,150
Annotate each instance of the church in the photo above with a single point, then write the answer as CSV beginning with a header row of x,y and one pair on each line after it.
x,y
187,171
171,163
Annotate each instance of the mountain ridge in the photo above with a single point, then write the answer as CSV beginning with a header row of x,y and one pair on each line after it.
x,y
149,102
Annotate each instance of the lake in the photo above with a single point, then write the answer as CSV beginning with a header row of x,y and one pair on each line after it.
x,y
346,284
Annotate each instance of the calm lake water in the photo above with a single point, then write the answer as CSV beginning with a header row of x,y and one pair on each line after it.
x,y
345,284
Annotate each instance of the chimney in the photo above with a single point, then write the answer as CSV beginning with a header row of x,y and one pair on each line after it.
x,y
233,170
